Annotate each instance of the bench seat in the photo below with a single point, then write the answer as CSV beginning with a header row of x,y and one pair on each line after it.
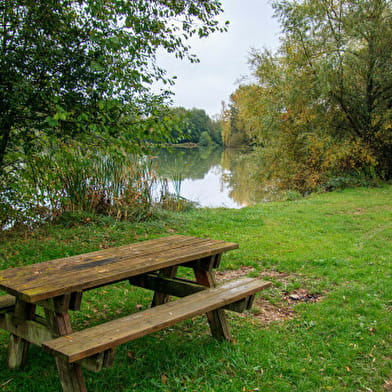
x,y
83,344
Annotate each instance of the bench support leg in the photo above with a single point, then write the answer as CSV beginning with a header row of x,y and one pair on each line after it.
x,y
70,374
18,348
161,298
217,318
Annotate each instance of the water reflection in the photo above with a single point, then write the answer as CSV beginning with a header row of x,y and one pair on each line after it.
x,y
212,177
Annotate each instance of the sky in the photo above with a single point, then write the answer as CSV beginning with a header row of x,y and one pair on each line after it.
x,y
223,56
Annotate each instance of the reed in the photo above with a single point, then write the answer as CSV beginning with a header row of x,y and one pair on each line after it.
x,y
73,178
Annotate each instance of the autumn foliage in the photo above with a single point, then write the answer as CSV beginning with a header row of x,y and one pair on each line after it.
x,y
320,109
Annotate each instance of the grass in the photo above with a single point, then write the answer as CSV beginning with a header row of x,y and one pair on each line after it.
x,y
338,244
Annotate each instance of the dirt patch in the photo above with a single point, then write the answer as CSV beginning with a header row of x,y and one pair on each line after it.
x,y
222,276
300,295
388,385
284,299
285,280
284,309
274,274
265,312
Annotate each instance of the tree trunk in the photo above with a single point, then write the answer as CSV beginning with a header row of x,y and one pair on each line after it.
x,y
5,138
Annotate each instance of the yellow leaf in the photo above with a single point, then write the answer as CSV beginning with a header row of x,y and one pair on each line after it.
x,y
164,379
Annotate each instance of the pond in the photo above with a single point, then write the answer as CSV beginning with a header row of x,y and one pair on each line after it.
x,y
211,177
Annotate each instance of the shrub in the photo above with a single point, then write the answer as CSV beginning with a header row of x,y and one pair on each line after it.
x,y
205,139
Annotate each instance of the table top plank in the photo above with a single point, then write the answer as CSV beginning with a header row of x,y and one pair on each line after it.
x,y
97,276
45,280
28,271
37,274
34,272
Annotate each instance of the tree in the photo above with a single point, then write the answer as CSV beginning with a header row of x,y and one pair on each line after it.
x,y
74,68
198,122
321,106
344,46
205,139
233,132
189,124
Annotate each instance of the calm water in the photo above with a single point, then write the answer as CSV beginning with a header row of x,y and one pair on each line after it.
x,y
212,177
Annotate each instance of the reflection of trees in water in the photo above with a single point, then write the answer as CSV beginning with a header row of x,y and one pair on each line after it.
x,y
193,163
241,168
237,169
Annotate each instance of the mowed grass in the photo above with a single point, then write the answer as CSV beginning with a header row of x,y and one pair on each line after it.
x,y
338,245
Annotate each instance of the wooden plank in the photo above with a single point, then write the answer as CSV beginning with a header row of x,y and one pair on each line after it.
x,y
161,297
171,286
37,271
70,374
174,309
18,347
217,317
60,304
205,264
48,282
241,306
178,287
76,300
30,330
181,288
91,341
33,272
57,284
7,302
99,361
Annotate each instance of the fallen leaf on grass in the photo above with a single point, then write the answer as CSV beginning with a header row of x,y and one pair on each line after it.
x,y
131,354
388,385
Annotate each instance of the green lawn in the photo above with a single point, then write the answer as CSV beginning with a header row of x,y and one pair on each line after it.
x,y
337,245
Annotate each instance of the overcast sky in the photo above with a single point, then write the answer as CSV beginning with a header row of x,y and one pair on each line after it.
x,y
223,56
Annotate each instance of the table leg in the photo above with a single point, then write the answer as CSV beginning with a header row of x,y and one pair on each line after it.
x,y
217,318
18,348
70,374
162,298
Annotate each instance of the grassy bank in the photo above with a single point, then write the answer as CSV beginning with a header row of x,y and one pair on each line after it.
x,y
336,247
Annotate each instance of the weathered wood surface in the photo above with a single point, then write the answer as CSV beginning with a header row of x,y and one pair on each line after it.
x,y
41,281
7,302
217,317
58,322
32,331
169,286
18,347
82,344
179,287
161,297
99,361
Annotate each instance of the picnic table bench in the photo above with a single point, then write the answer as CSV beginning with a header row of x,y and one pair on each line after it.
x,y
58,285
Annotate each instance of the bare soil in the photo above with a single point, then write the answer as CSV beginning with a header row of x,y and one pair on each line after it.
x,y
283,308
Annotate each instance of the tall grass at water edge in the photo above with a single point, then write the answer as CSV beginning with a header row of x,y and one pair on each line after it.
x,y
65,180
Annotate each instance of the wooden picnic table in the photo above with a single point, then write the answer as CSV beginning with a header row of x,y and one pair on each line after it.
x,y
57,286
